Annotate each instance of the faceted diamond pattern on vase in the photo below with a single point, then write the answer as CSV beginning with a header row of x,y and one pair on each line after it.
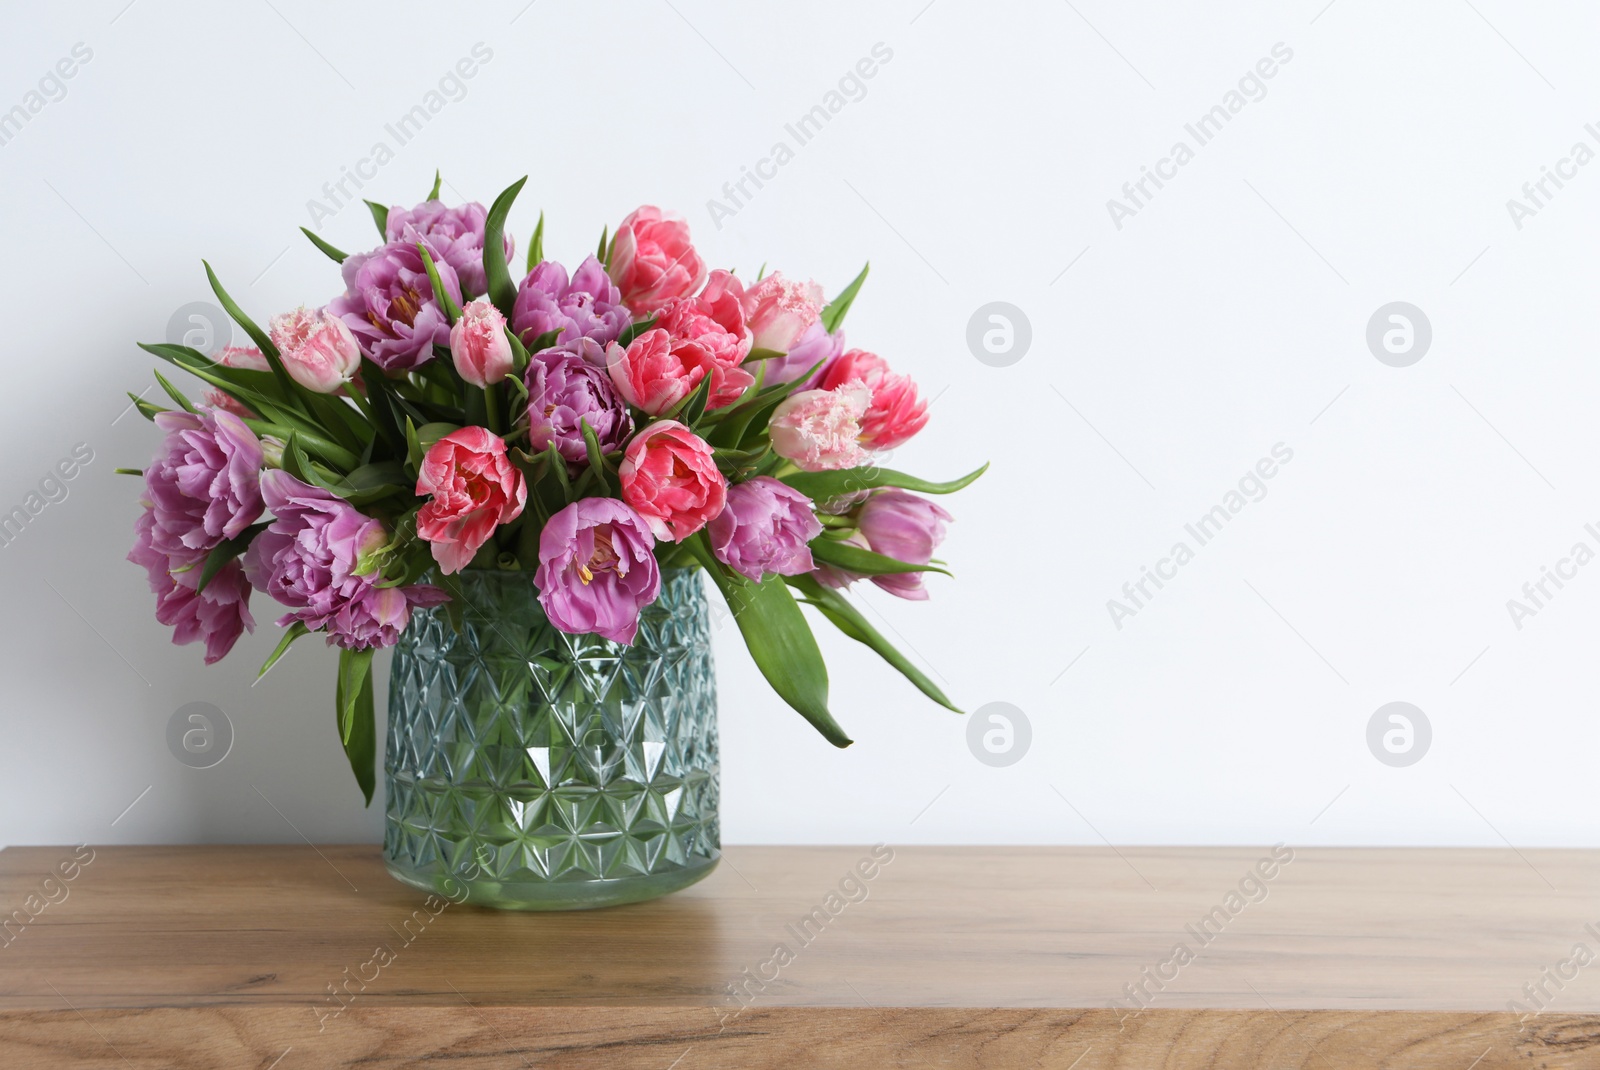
x,y
543,756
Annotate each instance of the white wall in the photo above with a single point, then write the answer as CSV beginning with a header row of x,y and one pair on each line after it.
x,y
1228,315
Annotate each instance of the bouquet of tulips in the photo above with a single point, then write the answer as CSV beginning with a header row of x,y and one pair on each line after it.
x,y
588,428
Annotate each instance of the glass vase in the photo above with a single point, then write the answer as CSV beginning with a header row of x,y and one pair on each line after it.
x,y
529,769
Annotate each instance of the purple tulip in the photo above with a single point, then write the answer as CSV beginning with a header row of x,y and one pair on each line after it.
x,y
453,236
308,557
900,525
597,569
815,345
586,306
564,390
379,615
765,527
204,485
388,305
218,615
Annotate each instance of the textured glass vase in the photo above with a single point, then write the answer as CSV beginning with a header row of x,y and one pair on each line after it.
x,y
536,770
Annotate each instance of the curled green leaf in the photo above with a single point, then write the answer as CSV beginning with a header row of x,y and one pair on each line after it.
x,y
502,291
338,256
825,486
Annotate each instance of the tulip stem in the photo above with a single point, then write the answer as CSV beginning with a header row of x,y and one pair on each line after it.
x,y
491,407
316,444
361,403
674,557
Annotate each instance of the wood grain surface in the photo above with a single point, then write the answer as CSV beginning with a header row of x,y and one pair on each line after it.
x,y
295,956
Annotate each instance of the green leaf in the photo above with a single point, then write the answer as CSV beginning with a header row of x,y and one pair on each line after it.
x,y
694,406
263,341
380,216
452,311
357,725
758,355
825,486
414,450
294,459
336,255
335,455
519,360
128,472
338,483
557,466
429,434
353,665
369,483
438,180
441,374
181,355
853,558
746,421
597,463
381,399
833,312
174,393
757,402
515,386
254,389
635,329
298,464
376,475
502,291
536,245
737,458
532,522
146,409
779,639
224,552
332,415
414,407
414,559
545,340
290,634
848,619
603,254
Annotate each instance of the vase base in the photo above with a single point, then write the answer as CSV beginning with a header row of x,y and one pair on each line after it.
x,y
555,895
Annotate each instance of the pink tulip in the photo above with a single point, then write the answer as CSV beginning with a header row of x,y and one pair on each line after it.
x,y
479,345
216,399
671,479
655,372
713,321
652,261
647,373
897,411
247,357
317,349
821,429
780,310
473,488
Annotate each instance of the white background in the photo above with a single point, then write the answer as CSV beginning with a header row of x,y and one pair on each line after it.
x,y
1228,315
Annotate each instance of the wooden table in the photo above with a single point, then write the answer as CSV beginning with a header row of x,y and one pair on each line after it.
x,y
293,956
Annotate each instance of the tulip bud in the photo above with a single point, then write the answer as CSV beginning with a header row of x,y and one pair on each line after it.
x,y
897,412
317,349
779,311
821,429
479,345
272,451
